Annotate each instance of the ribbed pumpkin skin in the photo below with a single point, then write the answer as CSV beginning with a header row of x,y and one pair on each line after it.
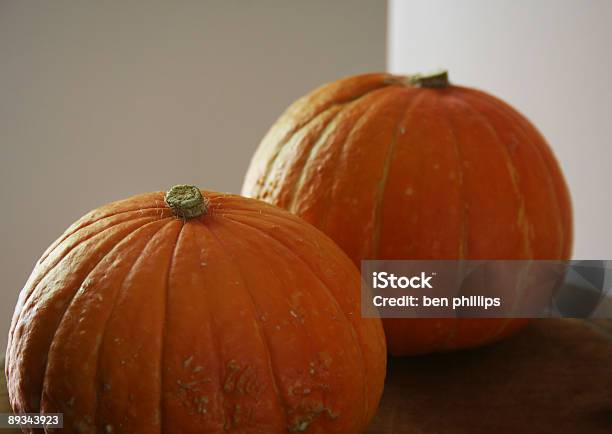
x,y
393,171
244,320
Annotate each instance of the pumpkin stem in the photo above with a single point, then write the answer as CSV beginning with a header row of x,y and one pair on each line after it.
x,y
438,79
186,201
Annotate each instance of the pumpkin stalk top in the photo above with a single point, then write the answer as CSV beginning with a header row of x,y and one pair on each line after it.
x,y
186,201
438,79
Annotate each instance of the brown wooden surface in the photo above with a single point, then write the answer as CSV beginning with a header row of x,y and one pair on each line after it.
x,y
555,377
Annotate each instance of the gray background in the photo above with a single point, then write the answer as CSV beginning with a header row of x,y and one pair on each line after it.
x,y
103,100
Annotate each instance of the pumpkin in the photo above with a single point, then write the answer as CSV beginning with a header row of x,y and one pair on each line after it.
x,y
394,167
199,312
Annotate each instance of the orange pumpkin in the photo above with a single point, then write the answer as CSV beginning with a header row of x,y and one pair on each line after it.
x,y
201,314
395,167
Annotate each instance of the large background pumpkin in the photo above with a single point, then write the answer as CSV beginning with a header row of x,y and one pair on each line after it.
x,y
241,319
395,167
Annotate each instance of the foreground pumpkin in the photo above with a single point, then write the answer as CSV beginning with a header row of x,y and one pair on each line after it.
x,y
415,168
197,314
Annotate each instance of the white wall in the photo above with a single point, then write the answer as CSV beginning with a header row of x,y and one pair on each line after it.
x,y
102,100
551,59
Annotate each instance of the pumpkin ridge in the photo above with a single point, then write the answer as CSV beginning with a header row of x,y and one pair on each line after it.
x,y
463,247
33,286
249,213
284,405
164,329
72,299
112,225
458,154
297,145
331,296
513,172
213,336
120,288
506,111
384,83
61,317
281,144
329,194
68,233
317,143
560,191
515,178
494,322
378,201
293,428
81,241
553,186
455,330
